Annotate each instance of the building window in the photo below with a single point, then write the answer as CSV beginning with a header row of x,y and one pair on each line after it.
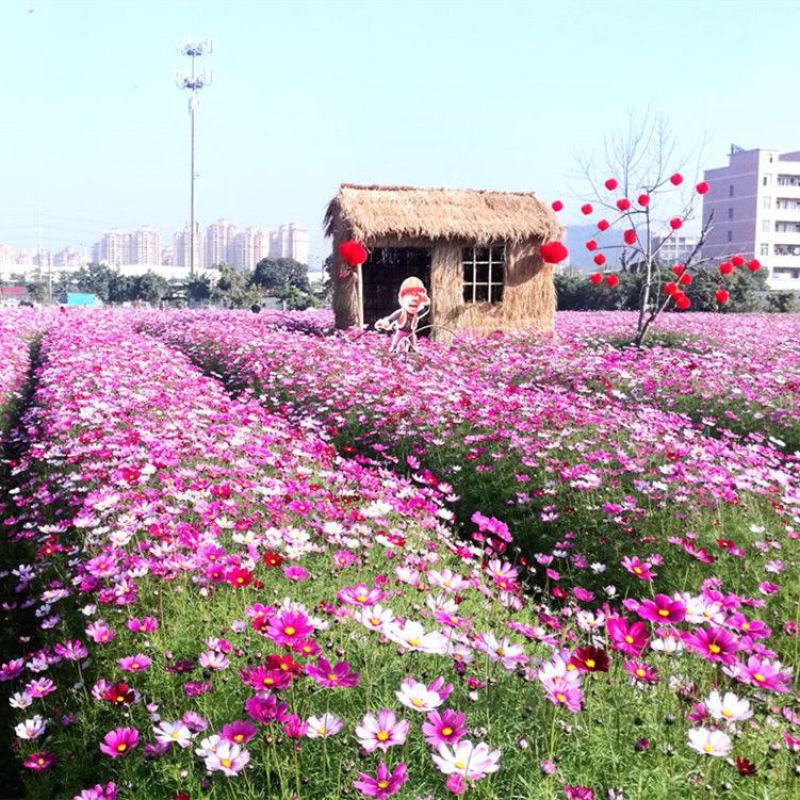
x,y
484,273
765,225
730,236
730,191
766,179
766,202
764,251
730,213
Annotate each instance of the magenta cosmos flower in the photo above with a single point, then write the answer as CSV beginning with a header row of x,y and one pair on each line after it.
x,y
334,676
381,732
445,727
39,762
641,569
289,628
137,663
238,732
628,637
713,644
384,784
765,674
119,742
662,608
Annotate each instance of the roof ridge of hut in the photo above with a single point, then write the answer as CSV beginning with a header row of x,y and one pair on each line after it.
x,y
376,211
391,187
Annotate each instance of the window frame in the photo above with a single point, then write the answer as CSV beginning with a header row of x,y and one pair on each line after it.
x,y
469,259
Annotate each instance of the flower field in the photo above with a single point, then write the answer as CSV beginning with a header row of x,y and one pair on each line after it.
x,y
246,557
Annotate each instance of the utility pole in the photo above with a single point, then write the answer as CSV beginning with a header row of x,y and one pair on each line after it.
x,y
193,82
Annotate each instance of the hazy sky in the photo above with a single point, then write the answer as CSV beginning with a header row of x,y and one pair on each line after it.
x,y
309,94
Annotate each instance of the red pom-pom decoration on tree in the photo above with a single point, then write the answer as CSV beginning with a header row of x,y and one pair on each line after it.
x,y
613,281
623,204
553,252
557,205
678,269
737,261
591,245
682,301
725,268
670,288
643,200
685,279
596,278
702,187
353,253
676,179
599,259
611,184
629,237
604,225
754,265
722,296
676,223
586,209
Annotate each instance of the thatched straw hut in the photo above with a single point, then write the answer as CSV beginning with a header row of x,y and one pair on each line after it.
x,y
476,251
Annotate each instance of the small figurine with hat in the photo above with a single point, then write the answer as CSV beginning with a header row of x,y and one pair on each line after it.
x,y
414,305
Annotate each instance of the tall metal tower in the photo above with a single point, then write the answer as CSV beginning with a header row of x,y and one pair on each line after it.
x,y
194,82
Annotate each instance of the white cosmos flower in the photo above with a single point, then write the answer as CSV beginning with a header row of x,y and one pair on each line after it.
x,y
417,696
472,761
709,742
412,636
31,728
173,733
728,707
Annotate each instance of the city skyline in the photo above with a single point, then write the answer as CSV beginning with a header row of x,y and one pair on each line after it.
x,y
275,141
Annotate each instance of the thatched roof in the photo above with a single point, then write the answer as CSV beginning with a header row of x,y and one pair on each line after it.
x,y
405,212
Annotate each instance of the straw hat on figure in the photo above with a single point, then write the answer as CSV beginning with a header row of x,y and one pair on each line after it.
x,y
414,305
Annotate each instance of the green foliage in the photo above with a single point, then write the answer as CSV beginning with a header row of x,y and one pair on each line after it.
x,y
782,302
198,288
276,276
235,288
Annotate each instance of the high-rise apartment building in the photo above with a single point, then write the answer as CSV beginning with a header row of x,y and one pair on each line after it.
x,y
145,246
68,258
248,247
289,241
183,247
113,249
676,248
219,237
755,202
7,255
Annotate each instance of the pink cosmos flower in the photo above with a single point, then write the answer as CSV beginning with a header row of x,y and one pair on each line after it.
x,y
227,758
100,633
39,687
324,726
296,573
578,792
445,727
99,792
294,727
265,709
144,625
419,697
238,732
641,569
360,595
641,672
661,609
39,762
332,677
288,628
119,742
713,644
560,690
384,784
72,650
137,663
261,678
381,732
629,638
764,674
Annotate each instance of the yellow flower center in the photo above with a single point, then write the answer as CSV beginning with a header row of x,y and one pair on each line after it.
x,y
714,648
40,761
289,630
726,712
709,748
239,737
383,784
637,570
414,642
122,747
561,697
640,673
629,639
374,621
662,612
590,662
362,598
417,702
226,762
459,765
322,731
447,731
333,677
759,677
382,736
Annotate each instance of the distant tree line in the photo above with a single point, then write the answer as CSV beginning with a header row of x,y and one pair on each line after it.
x,y
748,292
283,279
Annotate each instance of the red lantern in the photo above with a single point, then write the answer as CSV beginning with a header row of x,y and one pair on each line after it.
x,y
678,269
722,296
623,204
586,209
613,281
604,225
629,237
670,288
643,200
599,259
676,179
353,253
596,278
685,279
553,252
702,187
676,223
611,184
754,265
737,261
725,268
557,205
591,245
683,302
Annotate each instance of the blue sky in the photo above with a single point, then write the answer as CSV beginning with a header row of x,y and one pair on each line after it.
x,y
309,94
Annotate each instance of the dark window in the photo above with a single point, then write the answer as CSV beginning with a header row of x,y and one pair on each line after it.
x,y
730,213
730,191
484,273
730,236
